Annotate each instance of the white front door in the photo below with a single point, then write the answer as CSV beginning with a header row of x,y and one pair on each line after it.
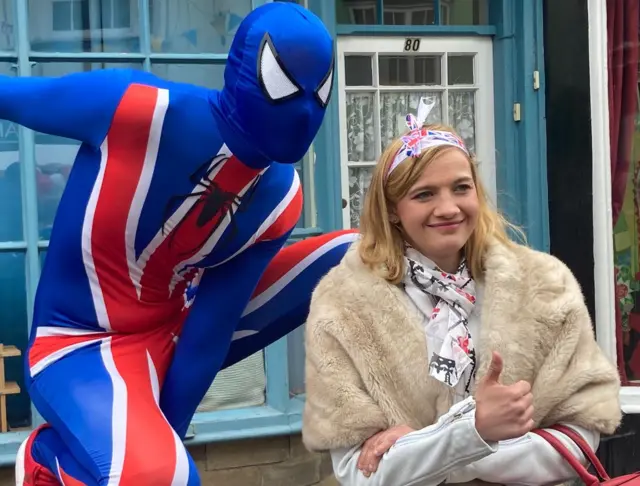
x,y
381,79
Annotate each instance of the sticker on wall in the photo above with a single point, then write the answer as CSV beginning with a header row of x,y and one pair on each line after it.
x,y
192,36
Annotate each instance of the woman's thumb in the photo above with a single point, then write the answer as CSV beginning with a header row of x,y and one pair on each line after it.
x,y
495,368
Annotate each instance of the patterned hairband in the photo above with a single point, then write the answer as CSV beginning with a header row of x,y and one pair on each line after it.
x,y
420,139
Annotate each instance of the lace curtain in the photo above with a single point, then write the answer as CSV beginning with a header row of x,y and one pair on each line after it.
x,y
361,136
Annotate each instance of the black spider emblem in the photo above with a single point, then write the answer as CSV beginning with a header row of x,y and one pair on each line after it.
x,y
213,202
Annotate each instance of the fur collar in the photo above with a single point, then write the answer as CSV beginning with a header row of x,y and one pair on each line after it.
x,y
366,364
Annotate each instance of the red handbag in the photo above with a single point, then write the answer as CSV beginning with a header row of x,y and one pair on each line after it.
x,y
586,477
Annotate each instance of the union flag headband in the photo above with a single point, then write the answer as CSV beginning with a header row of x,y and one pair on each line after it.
x,y
420,139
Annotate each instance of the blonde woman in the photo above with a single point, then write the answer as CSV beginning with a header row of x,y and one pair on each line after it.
x,y
437,344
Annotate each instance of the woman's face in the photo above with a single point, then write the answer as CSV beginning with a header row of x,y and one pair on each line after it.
x,y
440,211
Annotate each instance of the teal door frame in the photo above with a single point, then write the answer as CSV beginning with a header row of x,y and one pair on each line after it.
x,y
517,30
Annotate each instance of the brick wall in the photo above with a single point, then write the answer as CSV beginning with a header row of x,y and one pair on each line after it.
x,y
277,461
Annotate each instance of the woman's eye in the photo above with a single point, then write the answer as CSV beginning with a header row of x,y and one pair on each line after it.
x,y
423,195
463,188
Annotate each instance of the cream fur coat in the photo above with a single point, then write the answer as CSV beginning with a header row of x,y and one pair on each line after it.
x,y
366,356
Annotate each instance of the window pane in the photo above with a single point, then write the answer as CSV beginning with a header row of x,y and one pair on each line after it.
x,y
7,28
460,70
359,180
84,25
462,116
394,107
307,179
409,12
464,12
360,130
357,12
13,332
55,155
241,385
208,75
358,71
296,352
409,70
195,26
10,187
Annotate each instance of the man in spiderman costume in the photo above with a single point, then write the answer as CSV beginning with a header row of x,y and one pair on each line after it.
x,y
165,262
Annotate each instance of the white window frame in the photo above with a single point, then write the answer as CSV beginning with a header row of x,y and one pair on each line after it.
x,y
363,7
485,125
41,26
603,251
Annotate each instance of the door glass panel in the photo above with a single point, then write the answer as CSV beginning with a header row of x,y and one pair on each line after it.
x,y
409,70
460,70
358,71
360,129
359,180
462,116
394,107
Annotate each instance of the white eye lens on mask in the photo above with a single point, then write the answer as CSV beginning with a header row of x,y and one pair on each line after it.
x,y
276,83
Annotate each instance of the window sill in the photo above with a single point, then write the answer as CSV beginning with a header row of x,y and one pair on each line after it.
x,y
221,426
630,399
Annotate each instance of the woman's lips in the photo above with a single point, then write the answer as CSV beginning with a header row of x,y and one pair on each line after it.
x,y
447,225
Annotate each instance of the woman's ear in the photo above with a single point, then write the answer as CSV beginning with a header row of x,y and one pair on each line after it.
x,y
393,218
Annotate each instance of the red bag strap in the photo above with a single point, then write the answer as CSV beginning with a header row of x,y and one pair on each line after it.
x,y
585,448
586,477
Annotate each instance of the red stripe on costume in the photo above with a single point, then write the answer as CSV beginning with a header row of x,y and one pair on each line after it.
x,y
68,480
127,143
156,437
289,257
45,346
287,219
187,239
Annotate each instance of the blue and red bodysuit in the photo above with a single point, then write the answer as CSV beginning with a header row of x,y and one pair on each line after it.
x,y
165,262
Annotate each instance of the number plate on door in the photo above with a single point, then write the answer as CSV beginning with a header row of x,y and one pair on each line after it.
x,y
411,44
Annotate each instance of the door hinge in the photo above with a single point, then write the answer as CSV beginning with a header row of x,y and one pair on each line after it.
x,y
536,80
516,112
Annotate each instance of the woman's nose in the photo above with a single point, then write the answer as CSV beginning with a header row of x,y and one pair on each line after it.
x,y
446,208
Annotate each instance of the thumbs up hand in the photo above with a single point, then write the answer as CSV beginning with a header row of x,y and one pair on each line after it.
x,y
502,412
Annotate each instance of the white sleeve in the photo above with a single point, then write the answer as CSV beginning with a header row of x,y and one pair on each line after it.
x,y
424,457
527,461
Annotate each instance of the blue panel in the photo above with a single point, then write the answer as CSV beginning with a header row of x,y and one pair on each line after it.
x,y
402,30
13,331
145,32
276,364
225,425
521,146
327,142
9,444
247,422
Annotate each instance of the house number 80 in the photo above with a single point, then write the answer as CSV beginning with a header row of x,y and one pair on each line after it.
x,y
411,44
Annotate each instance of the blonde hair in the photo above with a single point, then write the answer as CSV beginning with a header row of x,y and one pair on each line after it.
x,y
382,244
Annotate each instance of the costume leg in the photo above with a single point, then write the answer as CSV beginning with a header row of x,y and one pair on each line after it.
x,y
101,402
45,460
281,300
